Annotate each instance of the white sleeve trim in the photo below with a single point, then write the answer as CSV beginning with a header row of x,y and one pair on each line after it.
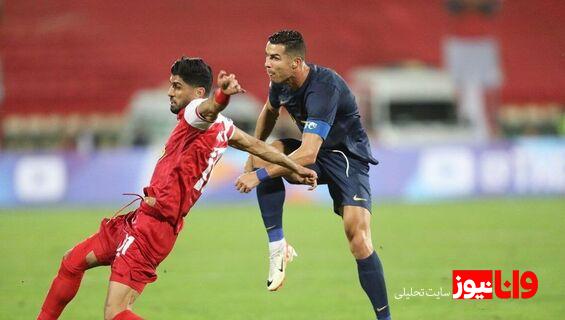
x,y
192,116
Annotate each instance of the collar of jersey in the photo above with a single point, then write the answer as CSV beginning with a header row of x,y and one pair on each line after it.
x,y
181,113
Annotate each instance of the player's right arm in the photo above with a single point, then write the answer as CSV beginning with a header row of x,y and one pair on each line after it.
x,y
266,121
242,141
265,124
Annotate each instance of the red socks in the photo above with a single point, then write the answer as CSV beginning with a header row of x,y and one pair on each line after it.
x,y
62,291
127,315
66,283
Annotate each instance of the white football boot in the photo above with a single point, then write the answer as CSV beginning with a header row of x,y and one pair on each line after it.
x,y
277,266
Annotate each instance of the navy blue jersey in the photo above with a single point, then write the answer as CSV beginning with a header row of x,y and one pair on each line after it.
x,y
324,105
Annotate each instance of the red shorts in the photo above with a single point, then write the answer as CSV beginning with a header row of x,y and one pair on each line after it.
x,y
134,245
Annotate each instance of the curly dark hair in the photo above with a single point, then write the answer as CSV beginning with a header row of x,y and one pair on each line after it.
x,y
193,71
292,41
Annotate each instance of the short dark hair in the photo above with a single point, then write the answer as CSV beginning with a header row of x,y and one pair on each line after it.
x,y
193,71
292,41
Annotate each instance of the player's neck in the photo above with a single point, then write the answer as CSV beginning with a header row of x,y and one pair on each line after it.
x,y
299,77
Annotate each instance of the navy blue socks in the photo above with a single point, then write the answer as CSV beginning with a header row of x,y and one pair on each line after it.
x,y
270,195
372,280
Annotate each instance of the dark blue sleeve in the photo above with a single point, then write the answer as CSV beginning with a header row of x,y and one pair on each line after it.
x,y
321,103
274,95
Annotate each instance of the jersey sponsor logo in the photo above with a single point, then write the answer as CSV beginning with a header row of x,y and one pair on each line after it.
x,y
356,198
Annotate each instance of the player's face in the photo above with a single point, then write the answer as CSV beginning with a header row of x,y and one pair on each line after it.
x,y
180,93
278,63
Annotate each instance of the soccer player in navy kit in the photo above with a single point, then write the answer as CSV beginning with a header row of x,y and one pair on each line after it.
x,y
334,144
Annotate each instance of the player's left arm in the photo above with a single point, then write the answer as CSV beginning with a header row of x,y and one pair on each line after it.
x,y
305,155
321,107
227,86
242,141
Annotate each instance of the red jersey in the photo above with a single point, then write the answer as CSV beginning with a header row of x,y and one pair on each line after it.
x,y
191,152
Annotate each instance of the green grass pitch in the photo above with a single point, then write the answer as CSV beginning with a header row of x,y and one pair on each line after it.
x,y
218,267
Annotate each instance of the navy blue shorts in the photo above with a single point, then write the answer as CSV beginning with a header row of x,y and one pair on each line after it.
x,y
347,177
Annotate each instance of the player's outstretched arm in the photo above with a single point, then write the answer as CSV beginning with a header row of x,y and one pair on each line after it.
x,y
242,141
227,86
305,155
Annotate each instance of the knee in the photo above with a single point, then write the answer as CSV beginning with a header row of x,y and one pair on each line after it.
x,y
74,261
360,244
67,253
71,266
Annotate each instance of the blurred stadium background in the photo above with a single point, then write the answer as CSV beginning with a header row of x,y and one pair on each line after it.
x,y
464,101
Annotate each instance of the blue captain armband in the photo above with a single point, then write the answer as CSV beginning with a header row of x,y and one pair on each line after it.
x,y
318,127
262,174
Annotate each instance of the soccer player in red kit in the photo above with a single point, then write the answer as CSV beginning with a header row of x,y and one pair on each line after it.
x,y
135,243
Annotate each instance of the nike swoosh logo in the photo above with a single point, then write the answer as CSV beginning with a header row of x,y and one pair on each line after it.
x,y
381,309
282,265
271,227
356,198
